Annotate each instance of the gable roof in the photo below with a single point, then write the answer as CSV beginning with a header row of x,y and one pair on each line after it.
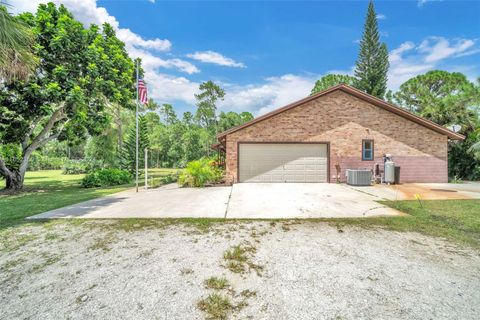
x,y
361,95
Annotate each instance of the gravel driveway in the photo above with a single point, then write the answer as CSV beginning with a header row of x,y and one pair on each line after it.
x,y
304,270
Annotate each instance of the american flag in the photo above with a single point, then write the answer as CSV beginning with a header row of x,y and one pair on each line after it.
x,y
142,91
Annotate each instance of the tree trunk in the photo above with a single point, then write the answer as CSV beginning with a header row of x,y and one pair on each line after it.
x,y
15,177
15,181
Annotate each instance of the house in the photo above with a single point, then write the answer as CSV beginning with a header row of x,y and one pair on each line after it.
x,y
317,138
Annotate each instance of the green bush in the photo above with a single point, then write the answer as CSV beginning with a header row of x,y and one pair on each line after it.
x,y
81,166
74,167
200,172
169,179
39,161
106,177
11,154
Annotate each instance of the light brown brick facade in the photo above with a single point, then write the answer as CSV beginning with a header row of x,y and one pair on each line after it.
x,y
344,121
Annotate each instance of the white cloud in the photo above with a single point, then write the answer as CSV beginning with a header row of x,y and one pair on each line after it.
x,y
438,48
381,16
396,54
215,58
420,3
274,93
167,88
152,62
409,60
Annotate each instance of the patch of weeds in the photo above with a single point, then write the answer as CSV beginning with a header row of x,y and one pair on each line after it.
x,y
216,306
12,240
11,264
49,260
248,293
258,268
216,283
236,267
51,236
103,243
242,304
237,258
263,232
186,271
146,253
131,225
237,253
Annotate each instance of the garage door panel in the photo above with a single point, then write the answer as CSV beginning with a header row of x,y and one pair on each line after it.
x,y
283,162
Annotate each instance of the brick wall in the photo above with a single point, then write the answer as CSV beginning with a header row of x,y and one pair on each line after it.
x,y
344,121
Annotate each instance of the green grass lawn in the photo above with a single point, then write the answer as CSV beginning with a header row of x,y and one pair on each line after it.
x,y
50,189
457,220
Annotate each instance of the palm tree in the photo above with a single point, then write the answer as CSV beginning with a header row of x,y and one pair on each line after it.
x,y
17,61
475,148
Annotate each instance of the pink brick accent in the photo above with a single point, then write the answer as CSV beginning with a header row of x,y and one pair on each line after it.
x,y
412,169
344,120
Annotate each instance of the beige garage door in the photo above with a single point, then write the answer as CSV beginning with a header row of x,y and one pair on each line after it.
x,y
278,162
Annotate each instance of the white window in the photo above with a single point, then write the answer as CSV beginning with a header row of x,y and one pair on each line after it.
x,y
367,149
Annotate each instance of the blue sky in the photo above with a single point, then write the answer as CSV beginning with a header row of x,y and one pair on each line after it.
x,y
269,53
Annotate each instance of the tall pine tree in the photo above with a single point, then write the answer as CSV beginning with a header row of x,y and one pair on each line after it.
x,y
372,64
128,152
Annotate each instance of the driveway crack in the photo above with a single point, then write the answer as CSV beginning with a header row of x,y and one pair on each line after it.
x,y
228,202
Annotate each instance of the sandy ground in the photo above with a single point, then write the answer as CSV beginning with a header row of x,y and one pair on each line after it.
x,y
301,270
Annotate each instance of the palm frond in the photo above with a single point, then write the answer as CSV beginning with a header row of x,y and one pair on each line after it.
x,y
17,61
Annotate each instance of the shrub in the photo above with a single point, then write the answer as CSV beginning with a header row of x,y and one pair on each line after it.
x,y
169,179
74,167
93,164
200,172
81,166
39,161
11,154
106,177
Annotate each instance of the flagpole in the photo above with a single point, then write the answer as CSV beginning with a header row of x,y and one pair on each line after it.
x,y
136,136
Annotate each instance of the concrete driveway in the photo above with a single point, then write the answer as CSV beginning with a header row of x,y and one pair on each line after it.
x,y
254,200
426,191
302,200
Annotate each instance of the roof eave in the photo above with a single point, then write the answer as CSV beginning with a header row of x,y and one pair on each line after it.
x,y
361,95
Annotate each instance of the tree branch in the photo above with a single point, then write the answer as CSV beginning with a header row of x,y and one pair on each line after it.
x,y
56,116
50,138
40,143
4,171
30,132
